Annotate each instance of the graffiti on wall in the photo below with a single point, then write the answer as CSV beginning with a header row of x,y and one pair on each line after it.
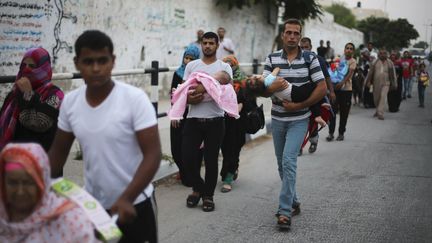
x,y
61,44
27,24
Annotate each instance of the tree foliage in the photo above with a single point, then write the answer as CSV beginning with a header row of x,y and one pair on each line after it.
x,y
421,44
392,34
299,9
342,15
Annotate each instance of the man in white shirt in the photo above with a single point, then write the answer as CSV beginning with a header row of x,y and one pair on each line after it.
x,y
116,126
226,46
204,123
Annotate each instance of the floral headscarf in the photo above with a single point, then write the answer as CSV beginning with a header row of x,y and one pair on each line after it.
x,y
238,76
55,219
192,51
40,79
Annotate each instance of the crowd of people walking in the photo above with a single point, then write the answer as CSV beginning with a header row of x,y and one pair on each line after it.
x,y
211,98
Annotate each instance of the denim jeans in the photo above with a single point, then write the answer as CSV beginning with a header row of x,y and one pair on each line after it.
x,y
287,138
406,87
421,94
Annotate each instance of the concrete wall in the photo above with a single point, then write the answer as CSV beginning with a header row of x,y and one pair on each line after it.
x,y
328,30
142,31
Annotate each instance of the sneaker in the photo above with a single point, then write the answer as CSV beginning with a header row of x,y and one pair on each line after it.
x,y
330,138
313,147
340,137
295,209
380,117
408,96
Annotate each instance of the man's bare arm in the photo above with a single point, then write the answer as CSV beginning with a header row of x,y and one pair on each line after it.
x,y
59,151
318,93
149,142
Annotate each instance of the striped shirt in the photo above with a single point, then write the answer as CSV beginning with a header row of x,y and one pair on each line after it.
x,y
297,73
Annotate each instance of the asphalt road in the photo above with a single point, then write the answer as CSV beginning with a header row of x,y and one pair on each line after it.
x,y
376,186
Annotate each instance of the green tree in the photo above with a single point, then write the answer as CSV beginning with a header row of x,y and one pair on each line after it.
x,y
342,15
392,34
299,9
421,44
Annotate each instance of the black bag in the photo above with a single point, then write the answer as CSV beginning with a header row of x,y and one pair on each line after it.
x,y
368,100
255,120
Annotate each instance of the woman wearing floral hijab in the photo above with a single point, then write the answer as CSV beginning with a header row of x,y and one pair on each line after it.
x,y
29,210
30,110
235,131
191,53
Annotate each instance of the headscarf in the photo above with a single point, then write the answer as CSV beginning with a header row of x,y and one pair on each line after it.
x,y
40,79
192,51
55,219
238,76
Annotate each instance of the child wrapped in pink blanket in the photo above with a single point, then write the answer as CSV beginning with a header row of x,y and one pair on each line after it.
x,y
216,87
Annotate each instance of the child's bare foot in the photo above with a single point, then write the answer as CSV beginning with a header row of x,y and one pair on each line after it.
x,y
320,121
275,71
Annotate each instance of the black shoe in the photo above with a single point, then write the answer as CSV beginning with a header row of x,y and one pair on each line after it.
x,y
409,96
313,147
295,209
330,138
192,200
340,137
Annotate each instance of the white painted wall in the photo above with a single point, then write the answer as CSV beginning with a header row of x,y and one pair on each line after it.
x,y
142,31
329,30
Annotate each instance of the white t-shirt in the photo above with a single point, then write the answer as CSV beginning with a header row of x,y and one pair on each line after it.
x,y
107,137
208,107
221,52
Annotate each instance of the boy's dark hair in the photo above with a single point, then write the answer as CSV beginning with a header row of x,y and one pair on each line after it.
x,y
294,22
306,39
351,44
95,40
211,35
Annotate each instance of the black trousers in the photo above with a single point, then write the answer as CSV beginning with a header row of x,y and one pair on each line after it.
x,y
343,106
144,226
211,132
234,139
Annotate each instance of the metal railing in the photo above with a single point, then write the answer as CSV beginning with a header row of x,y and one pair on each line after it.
x,y
154,71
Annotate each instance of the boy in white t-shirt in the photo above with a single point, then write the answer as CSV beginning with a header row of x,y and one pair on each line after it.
x,y
116,126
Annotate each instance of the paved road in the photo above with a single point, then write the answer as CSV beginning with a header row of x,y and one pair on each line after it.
x,y
376,186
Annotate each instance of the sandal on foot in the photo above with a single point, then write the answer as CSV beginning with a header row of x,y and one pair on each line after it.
x,y
208,204
284,222
192,200
226,188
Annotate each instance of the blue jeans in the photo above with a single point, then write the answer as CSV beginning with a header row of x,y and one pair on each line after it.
x,y
421,94
406,87
287,138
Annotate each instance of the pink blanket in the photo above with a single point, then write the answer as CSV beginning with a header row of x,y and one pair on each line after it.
x,y
224,95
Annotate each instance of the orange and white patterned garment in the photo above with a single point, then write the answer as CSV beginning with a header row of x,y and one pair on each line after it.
x,y
55,219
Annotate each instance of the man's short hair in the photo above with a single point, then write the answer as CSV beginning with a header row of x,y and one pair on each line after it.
x,y
211,35
94,40
306,39
294,22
